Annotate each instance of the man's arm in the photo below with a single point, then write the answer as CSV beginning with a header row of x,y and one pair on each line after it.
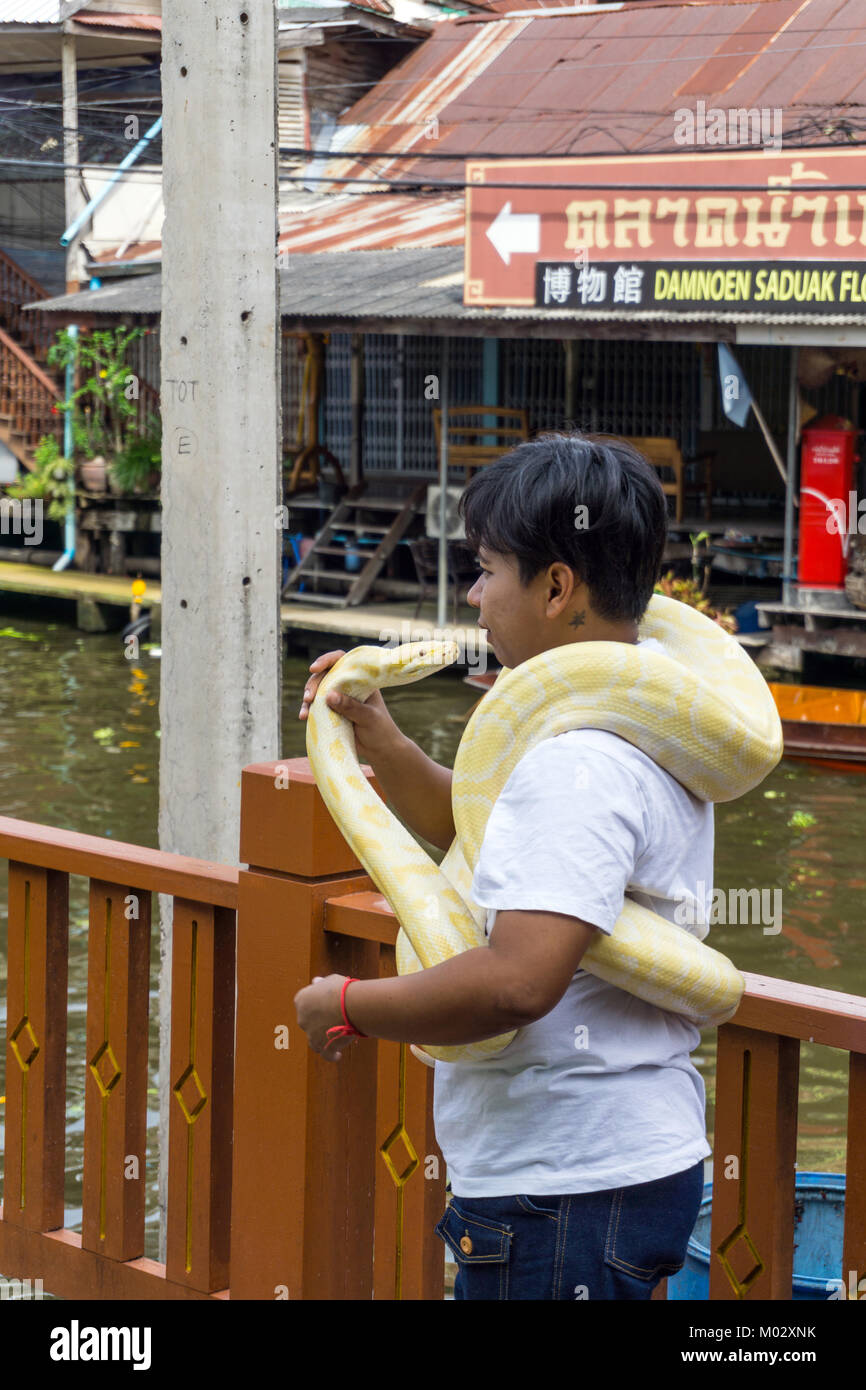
x,y
418,789
515,980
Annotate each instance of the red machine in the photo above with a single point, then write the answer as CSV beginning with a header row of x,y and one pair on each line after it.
x,y
828,505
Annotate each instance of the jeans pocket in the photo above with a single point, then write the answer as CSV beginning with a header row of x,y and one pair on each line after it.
x,y
482,1248
648,1230
540,1206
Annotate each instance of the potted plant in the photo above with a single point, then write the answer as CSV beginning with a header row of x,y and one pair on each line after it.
x,y
136,469
105,410
52,479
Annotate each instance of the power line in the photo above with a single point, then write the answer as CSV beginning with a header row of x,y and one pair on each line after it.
x,y
441,185
442,156
82,167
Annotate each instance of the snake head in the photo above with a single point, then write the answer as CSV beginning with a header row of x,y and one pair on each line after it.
x,y
364,669
414,660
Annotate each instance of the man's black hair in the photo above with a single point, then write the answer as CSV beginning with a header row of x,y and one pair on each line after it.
x,y
527,503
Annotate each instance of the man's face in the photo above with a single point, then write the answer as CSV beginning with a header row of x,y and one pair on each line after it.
x,y
511,613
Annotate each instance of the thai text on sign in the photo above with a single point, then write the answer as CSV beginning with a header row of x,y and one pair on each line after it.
x,y
718,213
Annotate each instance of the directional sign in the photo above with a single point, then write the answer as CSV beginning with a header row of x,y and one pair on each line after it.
x,y
772,231
513,232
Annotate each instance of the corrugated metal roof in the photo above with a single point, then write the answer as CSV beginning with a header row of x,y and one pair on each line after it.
x,y
413,286
149,22
608,81
30,11
374,222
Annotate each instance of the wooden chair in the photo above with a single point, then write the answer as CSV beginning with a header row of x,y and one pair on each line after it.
x,y
462,567
665,453
470,424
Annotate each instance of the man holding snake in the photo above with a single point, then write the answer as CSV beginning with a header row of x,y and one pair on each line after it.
x,y
576,1155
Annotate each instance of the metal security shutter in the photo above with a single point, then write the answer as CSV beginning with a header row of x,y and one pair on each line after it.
x,y
629,388
292,121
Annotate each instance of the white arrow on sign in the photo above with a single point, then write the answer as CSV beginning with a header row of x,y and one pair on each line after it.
x,y
515,231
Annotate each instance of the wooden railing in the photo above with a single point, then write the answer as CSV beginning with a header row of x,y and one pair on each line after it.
x,y
32,331
27,395
282,1167
757,1074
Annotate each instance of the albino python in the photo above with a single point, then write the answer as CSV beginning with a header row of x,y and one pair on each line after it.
x,y
701,710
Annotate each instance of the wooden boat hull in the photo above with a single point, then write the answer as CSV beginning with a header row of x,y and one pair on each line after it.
x,y
823,725
819,724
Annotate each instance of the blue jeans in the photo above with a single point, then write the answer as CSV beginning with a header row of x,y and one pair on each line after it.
x,y
614,1244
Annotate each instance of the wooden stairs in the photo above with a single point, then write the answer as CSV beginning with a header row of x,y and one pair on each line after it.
x,y
392,518
28,389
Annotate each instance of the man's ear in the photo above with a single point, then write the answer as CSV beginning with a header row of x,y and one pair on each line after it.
x,y
563,584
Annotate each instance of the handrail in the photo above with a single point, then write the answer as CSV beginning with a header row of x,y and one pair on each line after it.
x,y
279,1162
152,870
31,366
808,1012
37,290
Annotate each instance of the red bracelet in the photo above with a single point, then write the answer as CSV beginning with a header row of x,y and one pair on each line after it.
x,y
347,1029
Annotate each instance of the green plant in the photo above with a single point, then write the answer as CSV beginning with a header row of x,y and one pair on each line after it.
x,y
690,592
697,541
52,479
132,467
104,409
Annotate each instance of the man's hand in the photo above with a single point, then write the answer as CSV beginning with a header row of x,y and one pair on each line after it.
x,y
318,1009
376,734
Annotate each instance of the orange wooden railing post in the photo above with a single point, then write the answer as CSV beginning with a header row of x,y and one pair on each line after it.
x,y
36,1048
115,1097
754,1152
410,1185
200,1121
304,1128
854,1251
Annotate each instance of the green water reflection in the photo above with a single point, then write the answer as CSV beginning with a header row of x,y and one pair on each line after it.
x,y
79,748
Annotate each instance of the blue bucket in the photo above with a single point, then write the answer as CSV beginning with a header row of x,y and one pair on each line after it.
x,y
819,1219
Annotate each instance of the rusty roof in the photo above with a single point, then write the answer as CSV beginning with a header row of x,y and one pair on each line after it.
x,y
148,22
374,222
606,80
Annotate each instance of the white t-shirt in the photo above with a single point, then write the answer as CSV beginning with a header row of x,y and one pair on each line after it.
x,y
601,1092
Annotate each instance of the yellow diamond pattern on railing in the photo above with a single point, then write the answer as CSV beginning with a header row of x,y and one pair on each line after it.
x,y
195,1099
105,1070
729,1244
25,1051
399,1134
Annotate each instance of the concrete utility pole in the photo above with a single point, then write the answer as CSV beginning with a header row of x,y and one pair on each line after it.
x,y
221,447
73,195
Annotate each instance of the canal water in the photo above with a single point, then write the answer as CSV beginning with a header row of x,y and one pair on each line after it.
x,y
79,748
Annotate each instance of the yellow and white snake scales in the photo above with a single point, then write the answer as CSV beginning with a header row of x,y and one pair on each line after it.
x,y
701,710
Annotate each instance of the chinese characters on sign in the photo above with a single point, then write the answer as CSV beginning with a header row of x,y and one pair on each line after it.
x,y
566,285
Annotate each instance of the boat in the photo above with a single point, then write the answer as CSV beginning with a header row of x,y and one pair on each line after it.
x,y
823,725
819,724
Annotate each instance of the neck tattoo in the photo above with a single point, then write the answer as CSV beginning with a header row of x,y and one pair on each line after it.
x,y
578,620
